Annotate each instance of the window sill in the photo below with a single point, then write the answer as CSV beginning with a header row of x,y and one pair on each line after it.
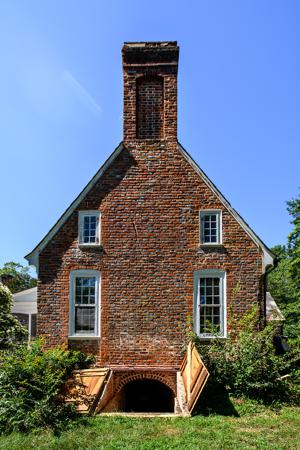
x,y
209,338
211,245
83,338
97,246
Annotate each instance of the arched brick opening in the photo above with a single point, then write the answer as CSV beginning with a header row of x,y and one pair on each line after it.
x,y
143,391
146,395
150,107
127,378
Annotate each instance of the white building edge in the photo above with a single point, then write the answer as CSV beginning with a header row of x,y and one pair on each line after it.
x,y
25,309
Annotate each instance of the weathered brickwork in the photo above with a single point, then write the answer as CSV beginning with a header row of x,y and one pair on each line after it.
x,y
142,64
149,198
150,108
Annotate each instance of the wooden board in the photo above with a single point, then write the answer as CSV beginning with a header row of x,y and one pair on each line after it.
x,y
194,375
84,388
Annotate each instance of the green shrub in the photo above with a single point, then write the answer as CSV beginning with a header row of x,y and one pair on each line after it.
x,y
30,383
247,364
10,328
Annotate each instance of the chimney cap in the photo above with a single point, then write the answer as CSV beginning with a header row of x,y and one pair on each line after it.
x,y
140,53
151,44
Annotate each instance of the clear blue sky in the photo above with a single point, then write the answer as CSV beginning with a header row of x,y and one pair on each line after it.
x,y
61,103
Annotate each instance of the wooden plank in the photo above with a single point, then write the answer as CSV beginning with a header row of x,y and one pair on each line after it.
x,y
188,371
198,389
194,375
84,388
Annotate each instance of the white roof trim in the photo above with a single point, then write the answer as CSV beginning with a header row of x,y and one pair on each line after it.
x,y
267,255
33,257
272,309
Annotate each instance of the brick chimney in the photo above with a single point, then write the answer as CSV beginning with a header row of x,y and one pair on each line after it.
x,y
150,91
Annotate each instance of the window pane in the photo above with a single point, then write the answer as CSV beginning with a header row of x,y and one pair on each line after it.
x,y
216,311
210,226
89,229
84,319
85,290
209,307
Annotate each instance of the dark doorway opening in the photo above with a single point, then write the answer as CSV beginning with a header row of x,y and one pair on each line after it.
x,y
148,396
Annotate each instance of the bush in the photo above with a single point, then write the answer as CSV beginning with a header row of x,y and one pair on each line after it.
x,y
30,383
247,364
10,328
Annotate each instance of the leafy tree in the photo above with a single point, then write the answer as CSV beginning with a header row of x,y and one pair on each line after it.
x,y
16,277
294,240
10,328
284,280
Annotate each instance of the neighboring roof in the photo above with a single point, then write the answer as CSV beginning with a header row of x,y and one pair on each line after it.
x,y
25,302
33,257
272,310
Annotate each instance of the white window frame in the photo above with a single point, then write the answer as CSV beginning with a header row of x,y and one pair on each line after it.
x,y
203,213
80,274
210,273
81,216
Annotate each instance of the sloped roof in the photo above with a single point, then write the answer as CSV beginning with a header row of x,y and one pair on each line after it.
x,y
33,256
25,302
268,256
28,295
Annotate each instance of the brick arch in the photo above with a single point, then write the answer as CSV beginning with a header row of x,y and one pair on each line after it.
x,y
164,379
150,107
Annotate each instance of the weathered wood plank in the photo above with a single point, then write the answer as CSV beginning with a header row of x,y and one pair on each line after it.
x,y
194,375
84,388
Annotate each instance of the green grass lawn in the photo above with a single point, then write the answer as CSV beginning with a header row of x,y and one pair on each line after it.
x,y
253,426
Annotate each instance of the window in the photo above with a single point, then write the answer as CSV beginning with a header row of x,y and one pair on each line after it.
x,y
210,303
89,227
84,303
210,227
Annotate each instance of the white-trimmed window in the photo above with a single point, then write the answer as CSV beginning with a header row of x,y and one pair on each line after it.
x,y
84,303
210,227
89,227
210,303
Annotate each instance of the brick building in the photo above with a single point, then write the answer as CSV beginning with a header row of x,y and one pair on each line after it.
x,y
149,246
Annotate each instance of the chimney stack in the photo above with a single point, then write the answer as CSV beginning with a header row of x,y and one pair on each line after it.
x,y
150,91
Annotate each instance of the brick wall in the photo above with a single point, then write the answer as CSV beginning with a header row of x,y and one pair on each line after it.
x,y
149,200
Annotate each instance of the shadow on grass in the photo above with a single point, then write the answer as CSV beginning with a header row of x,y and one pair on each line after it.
x,y
215,400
